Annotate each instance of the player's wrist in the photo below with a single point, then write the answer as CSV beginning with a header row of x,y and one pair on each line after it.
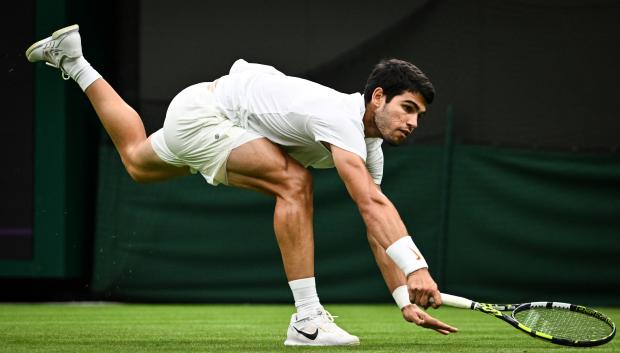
x,y
406,255
417,272
401,296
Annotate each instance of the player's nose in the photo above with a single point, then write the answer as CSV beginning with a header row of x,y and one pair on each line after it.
x,y
412,122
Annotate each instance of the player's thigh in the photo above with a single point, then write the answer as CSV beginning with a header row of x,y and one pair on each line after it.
x,y
146,166
263,166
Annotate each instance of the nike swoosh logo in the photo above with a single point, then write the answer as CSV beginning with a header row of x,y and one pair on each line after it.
x,y
418,257
310,336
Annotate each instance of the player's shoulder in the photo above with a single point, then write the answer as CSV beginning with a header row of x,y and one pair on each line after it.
x,y
242,66
339,107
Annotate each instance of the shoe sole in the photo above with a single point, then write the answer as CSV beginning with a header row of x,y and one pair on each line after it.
x,y
55,35
289,343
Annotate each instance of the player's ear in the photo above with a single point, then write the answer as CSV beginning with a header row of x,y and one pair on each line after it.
x,y
377,96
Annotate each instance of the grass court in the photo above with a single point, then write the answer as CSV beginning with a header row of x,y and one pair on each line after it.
x,y
92,328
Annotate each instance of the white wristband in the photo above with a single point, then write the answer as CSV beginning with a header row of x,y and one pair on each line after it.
x,y
401,296
406,255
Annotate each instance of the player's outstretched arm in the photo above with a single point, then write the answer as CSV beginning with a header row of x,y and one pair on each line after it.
x,y
385,226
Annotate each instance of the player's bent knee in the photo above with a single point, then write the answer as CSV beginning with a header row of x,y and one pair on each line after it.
x,y
137,171
139,165
144,172
298,183
132,167
137,175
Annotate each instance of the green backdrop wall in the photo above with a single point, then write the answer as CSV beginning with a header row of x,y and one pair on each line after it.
x,y
517,225
495,223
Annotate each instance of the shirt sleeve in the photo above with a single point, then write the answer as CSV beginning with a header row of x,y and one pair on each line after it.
x,y
342,133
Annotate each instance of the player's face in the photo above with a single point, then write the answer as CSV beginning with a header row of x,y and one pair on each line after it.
x,y
397,119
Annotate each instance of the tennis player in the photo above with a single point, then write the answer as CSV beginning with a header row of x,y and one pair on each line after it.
x,y
259,129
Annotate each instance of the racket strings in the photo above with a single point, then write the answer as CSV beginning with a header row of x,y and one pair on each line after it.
x,y
564,323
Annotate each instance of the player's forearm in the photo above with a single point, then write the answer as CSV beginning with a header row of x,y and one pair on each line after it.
x,y
382,220
392,275
385,226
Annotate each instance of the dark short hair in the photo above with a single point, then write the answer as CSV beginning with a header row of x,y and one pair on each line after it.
x,y
396,77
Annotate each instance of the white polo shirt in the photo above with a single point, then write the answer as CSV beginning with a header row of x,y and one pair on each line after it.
x,y
298,115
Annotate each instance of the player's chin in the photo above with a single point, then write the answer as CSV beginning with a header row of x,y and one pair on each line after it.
x,y
395,140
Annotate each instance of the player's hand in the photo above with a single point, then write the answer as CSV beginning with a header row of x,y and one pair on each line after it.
x,y
421,288
421,318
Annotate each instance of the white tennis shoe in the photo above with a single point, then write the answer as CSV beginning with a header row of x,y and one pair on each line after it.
x,y
64,44
317,329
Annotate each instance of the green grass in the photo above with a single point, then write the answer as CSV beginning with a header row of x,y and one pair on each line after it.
x,y
248,328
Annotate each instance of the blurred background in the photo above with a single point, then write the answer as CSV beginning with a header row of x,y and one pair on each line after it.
x,y
510,186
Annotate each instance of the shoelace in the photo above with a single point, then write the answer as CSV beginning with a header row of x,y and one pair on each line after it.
x,y
327,323
323,320
65,76
329,316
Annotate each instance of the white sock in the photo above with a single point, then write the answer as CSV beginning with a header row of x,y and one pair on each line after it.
x,y
306,299
80,70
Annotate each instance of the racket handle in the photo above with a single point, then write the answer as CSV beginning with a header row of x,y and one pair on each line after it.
x,y
455,301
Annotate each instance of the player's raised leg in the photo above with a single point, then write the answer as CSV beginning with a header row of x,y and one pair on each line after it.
x,y
63,50
262,166
126,130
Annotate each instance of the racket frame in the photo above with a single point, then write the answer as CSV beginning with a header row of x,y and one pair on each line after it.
x,y
496,310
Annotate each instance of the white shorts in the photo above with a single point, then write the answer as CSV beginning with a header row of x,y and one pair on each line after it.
x,y
197,134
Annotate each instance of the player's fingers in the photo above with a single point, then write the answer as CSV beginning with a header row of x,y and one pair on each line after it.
x,y
436,299
446,327
446,332
414,294
439,325
422,299
416,318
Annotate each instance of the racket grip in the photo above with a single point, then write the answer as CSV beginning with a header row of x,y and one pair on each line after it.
x,y
455,301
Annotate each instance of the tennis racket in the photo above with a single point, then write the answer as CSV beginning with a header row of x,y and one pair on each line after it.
x,y
559,323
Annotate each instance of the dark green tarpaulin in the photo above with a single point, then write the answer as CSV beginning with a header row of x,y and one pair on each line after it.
x,y
521,225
